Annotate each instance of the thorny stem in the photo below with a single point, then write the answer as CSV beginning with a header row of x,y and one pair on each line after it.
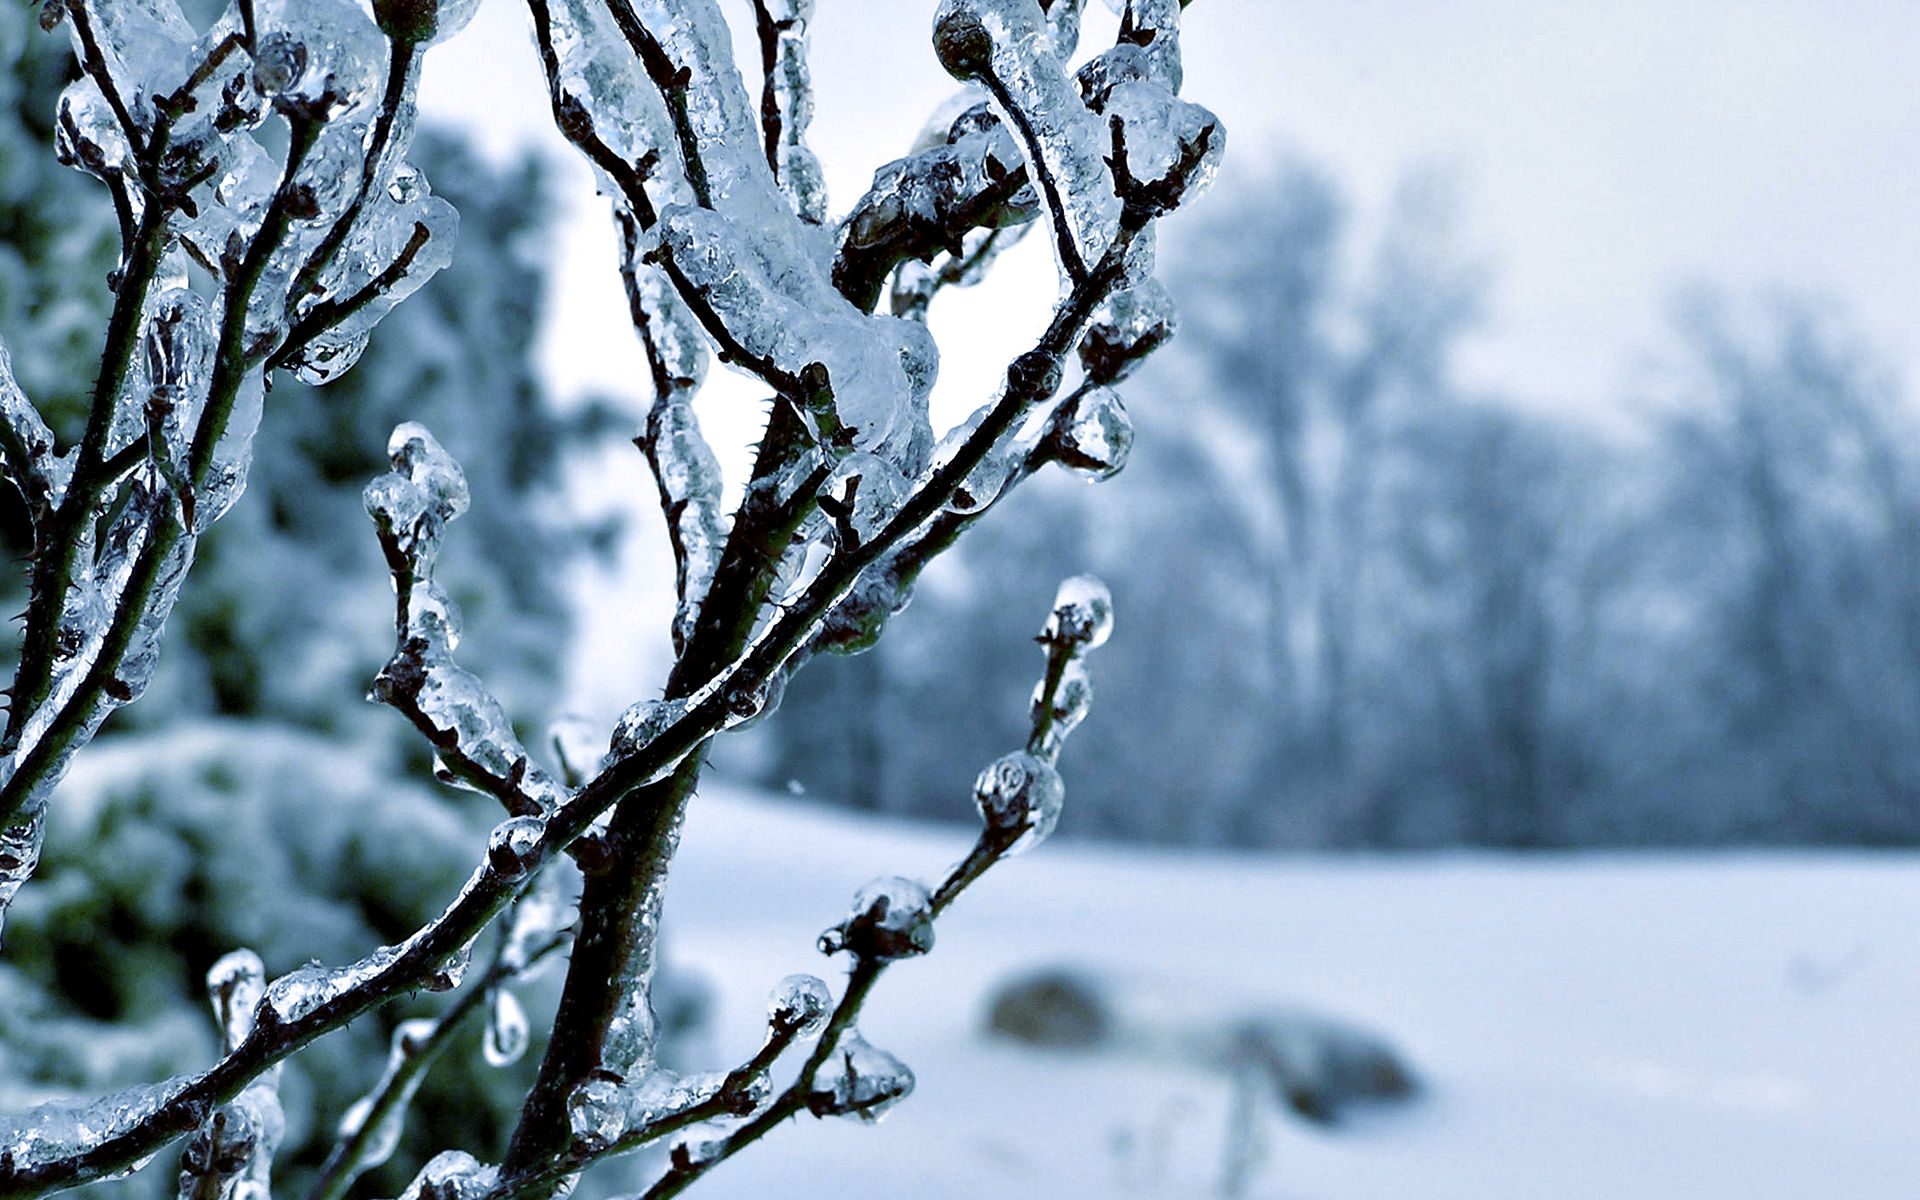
x,y
672,83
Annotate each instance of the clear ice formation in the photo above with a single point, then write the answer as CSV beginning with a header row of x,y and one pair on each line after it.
x,y
1082,615
1092,434
1019,796
800,1005
411,506
859,1080
1007,46
892,918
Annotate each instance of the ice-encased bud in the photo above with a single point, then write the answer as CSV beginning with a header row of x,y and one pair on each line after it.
x,y
236,984
1082,615
855,624
507,1029
800,1004
513,848
751,701
892,918
319,56
1019,796
1093,434
596,1112
962,42
447,974
860,1080
425,489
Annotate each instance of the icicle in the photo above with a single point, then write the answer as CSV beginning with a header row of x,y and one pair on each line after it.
x,y
892,918
801,179
862,1081
42,475
1019,796
507,1029
1005,45
20,852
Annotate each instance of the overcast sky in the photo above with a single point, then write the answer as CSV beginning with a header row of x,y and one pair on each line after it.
x,y
1608,153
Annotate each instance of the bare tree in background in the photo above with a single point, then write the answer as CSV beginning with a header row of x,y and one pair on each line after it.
x,y
269,219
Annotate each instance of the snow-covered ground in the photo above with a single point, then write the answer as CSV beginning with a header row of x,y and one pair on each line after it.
x,y
1739,1026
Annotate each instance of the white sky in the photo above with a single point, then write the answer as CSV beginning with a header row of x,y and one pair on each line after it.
x,y
1609,151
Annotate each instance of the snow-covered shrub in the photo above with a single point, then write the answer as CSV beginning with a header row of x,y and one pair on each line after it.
x,y
269,219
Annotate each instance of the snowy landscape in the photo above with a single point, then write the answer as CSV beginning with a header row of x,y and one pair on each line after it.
x,y
1586,1025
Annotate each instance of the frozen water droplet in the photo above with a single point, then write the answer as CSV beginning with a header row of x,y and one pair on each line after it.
x,y
1172,148
1019,796
801,1003
1093,434
892,918
855,624
236,984
859,1080
507,1029
596,1113
513,848
1082,614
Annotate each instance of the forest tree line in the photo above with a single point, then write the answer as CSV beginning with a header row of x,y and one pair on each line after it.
x,y
1362,605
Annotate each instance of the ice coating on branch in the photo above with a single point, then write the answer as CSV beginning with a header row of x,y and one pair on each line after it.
x,y
800,1005
855,624
236,984
782,315
892,918
20,853
146,45
859,1080
1005,45
507,1031
48,1133
1169,143
425,490
1063,25
297,993
602,80
1082,616
1154,26
1093,434
396,248
31,462
451,1175
410,1040
1129,326
1067,708
1019,796
88,135
790,88
688,476
513,848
